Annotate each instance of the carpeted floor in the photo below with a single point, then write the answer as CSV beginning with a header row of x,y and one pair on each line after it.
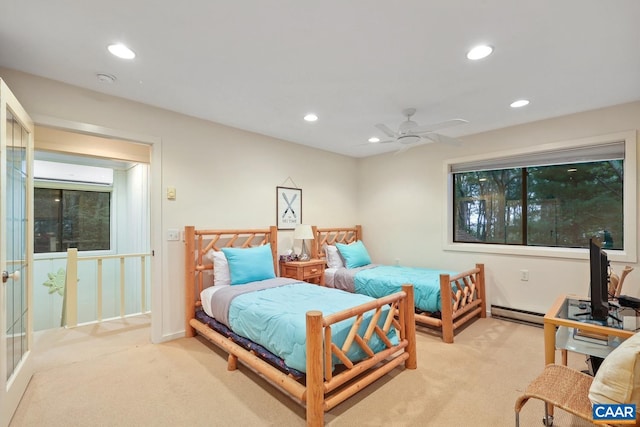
x,y
111,375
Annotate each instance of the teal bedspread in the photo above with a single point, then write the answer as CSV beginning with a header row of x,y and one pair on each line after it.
x,y
384,280
276,319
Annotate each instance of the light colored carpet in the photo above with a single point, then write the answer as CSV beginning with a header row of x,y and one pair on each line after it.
x,y
111,375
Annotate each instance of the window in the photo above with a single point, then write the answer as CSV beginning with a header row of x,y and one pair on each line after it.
x,y
71,219
557,206
556,196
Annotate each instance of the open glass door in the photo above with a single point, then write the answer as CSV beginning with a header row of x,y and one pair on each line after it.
x,y
16,252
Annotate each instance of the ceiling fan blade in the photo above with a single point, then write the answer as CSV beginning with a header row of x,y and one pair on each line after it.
x,y
436,126
384,128
436,137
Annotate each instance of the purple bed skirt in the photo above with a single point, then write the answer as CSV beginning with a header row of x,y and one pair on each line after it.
x,y
248,344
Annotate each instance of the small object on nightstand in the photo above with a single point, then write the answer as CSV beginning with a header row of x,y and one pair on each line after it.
x,y
288,258
303,232
307,271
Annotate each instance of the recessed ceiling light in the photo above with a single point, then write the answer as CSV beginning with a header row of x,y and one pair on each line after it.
x,y
519,103
311,117
479,52
121,51
374,139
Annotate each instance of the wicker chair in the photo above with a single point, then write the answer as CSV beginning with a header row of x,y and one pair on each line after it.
x,y
562,387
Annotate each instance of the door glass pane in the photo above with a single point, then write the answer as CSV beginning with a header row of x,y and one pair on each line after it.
x,y
15,241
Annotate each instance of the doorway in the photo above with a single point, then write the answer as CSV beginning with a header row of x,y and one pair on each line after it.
x,y
152,145
90,193
16,325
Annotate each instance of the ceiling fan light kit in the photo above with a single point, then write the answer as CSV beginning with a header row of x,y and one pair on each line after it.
x,y
408,139
410,134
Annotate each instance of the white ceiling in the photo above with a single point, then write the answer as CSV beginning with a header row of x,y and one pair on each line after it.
x,y
262,65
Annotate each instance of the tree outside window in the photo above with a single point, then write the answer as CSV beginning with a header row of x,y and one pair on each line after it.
x,y
552,205
71,219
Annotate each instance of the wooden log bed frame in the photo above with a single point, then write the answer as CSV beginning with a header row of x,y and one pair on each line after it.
x,y
321,389
466,289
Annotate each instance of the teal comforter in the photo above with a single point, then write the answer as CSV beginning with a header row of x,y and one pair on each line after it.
x,y
383,280
275,318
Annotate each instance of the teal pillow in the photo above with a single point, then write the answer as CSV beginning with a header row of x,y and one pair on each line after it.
x,y
250,264
354,254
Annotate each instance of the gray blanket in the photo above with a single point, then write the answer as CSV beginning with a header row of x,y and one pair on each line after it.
x,y
344,278
221,300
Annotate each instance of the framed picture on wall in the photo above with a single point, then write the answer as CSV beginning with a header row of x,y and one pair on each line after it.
x,y
288,207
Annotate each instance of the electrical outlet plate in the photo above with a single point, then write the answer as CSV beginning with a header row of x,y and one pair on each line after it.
x,y
173,234
524,275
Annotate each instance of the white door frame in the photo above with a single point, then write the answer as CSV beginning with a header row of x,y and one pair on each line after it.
x,y
155,203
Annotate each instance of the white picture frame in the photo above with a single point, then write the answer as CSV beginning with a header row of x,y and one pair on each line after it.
x,y
288,207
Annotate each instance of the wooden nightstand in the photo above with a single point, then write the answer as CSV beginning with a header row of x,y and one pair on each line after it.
x,y
308,271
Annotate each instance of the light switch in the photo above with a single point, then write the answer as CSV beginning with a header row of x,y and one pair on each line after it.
x,y
171,193
173,234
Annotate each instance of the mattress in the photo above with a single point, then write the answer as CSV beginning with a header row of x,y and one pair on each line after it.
x,y
380,280
275,317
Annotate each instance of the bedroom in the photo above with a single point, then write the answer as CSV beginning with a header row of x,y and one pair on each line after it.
x,y
334,180
199,161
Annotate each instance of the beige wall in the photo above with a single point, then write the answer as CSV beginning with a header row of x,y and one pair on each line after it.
x,y
224,177
401,206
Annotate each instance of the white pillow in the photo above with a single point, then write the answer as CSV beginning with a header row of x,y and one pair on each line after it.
x,y
221,274
618,377
206,296
334,260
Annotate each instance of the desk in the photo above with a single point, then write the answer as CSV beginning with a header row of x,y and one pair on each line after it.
x,y
567,316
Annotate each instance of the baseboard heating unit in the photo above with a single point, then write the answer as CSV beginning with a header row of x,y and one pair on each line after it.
x,y
516,315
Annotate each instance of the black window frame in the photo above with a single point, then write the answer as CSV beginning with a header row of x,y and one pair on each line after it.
x,y
520,178
61,247
629,140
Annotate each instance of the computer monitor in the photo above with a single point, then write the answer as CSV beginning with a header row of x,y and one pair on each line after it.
x,y
599,286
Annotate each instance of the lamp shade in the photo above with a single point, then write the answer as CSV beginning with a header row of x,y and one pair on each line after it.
x,y
302,232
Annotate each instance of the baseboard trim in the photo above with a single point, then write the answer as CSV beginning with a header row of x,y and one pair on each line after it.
x,y
170,337
517,315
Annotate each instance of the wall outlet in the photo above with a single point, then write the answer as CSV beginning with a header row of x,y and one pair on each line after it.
x,y
397,261
524,275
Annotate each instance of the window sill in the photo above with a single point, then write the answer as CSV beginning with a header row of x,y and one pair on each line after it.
x,y
538,251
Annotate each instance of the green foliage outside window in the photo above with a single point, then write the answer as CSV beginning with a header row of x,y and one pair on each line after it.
x,y
71,219
553,206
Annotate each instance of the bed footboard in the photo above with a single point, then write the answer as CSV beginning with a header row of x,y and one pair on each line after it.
x,y
463,295
463,298
322,388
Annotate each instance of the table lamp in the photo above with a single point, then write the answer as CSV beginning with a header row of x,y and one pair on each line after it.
x,y
303,232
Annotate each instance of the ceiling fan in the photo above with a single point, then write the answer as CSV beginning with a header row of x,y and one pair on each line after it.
x,y
410,134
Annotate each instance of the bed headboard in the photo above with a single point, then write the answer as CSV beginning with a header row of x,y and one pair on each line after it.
x,y
331,236
199,242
